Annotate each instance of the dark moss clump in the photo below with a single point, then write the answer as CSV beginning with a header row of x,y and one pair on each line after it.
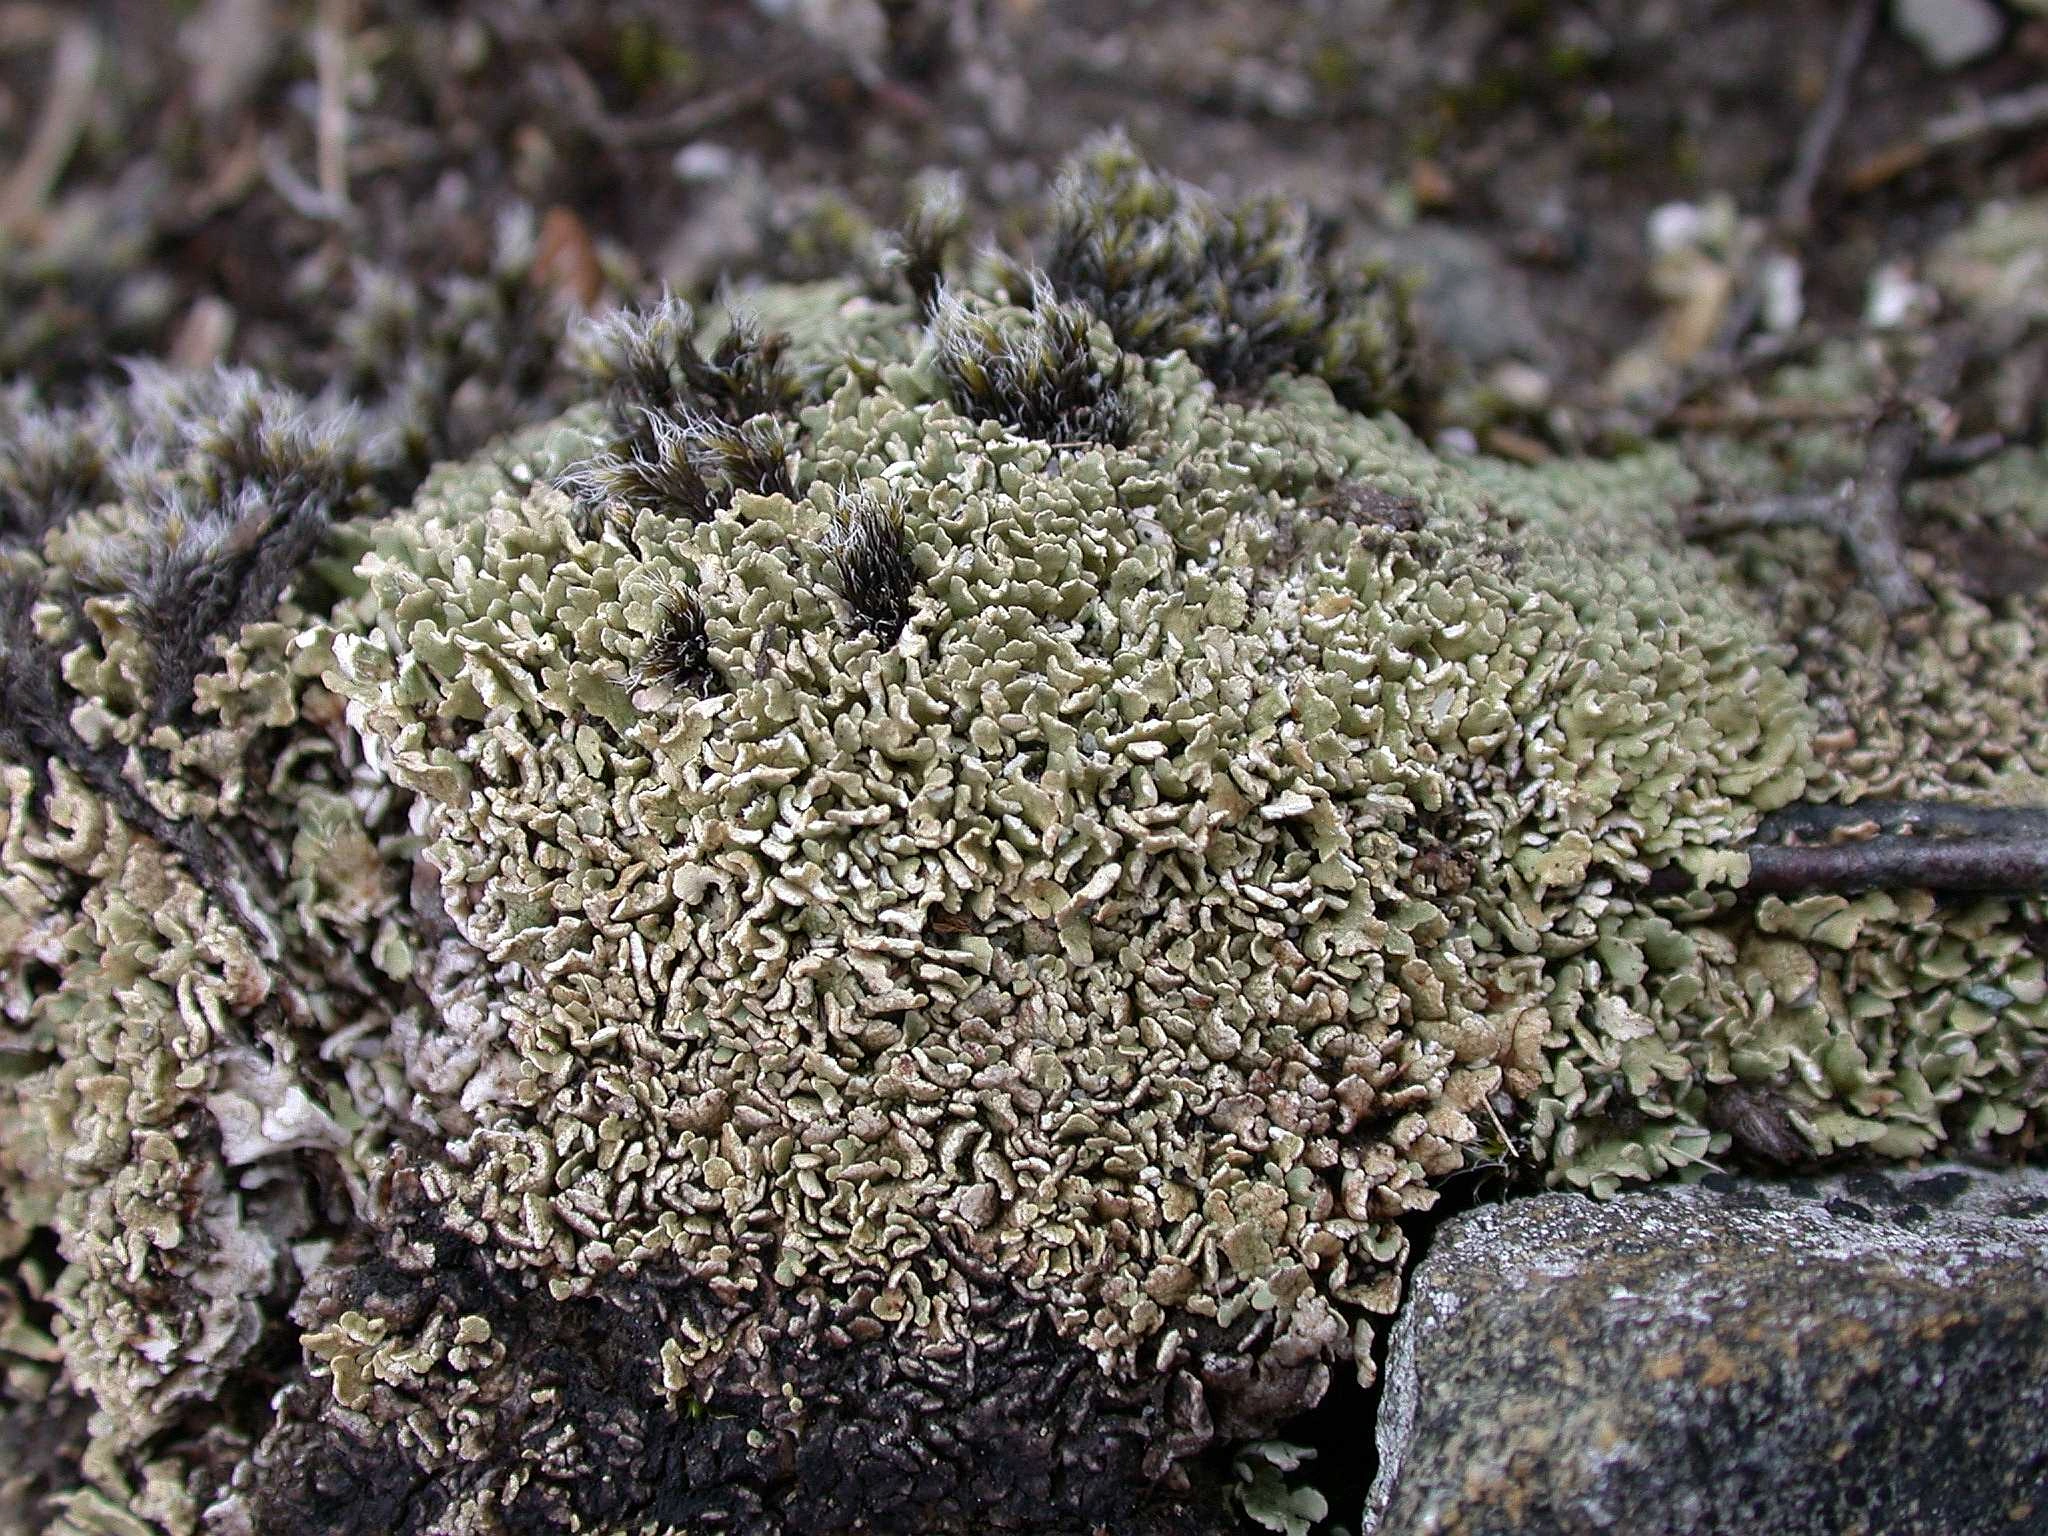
x,y
686,430
876,577
52,462
679,653
1246,291
252,478
200,499
934,224
454,362
648,360
649,467
1037,376
752,455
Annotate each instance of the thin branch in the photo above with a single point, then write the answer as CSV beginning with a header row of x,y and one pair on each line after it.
x,y
1866,512
1959,457
694,117
1769,413
1987,865
1872,526
1735,359
298,194
1922,818
330,67
1891,845
2001,114
2011,113
1795,197
1793,212
1766,512
65,109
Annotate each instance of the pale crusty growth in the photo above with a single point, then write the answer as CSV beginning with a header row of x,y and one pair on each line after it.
x,y
1096,935
198,896
1948,1002
1794,1029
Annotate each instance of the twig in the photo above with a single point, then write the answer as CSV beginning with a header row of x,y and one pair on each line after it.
x,y
1735,359
1986,865
1865,512
1795,197
330,66
300,195
1892,845
1960,456
1819,511
1921,818
72,71
1872,523
26,24
687,121
1981,120
1765,413
1506,443
1794,209
2001,114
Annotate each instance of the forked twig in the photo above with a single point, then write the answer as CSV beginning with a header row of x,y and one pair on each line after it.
x,y
1865,511
1892,845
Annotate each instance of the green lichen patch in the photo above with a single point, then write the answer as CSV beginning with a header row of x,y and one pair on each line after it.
x,y
1058,890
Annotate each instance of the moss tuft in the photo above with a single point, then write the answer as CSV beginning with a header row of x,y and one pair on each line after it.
x,y
1033,370
1247,291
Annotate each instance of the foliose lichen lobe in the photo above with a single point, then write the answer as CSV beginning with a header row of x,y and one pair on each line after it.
x,y
1835,1024
1081,932
790,900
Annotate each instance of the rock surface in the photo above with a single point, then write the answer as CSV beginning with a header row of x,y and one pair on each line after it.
x,y
1951,33
1867,1353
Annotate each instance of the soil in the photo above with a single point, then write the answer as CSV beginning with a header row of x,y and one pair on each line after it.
x,y
1514,152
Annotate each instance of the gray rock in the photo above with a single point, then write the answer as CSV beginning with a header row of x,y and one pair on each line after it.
x,y
1479,307
1951,33
1866,1353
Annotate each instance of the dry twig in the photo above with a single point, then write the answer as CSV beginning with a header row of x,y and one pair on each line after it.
x,y
1865,511
1893,845
1795,197
1902,818
690,120
72,71
2011,113
1794,209
1769,413
1982,865
330,66
1729,357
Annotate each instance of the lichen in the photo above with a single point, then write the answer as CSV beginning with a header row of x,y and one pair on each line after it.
x,y
796,935
1790,1030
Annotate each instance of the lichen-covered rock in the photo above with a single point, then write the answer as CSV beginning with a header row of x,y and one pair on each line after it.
x,y
918,887
1860,1353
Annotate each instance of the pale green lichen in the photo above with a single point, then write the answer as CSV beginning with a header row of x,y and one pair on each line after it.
x,y
1081,932
705,937
1885,1022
